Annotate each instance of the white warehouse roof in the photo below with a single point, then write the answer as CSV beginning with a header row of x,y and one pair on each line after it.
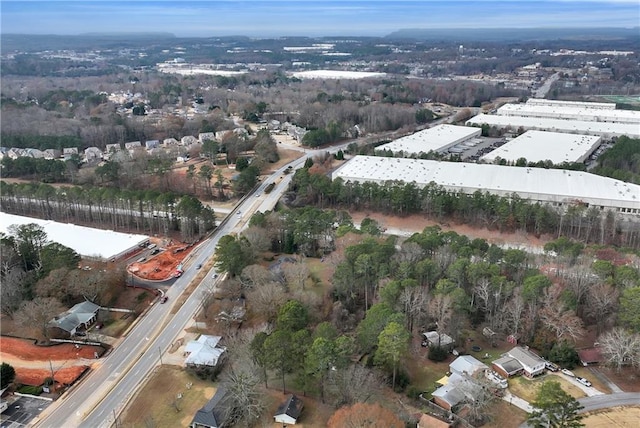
x,y
604,129
537,146
570,112
581,104
435,139
86,241
536,184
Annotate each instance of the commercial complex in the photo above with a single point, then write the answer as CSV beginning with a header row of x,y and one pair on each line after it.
x,y
537,146
436,139
551,186
578,104
603,129
578,112
86,241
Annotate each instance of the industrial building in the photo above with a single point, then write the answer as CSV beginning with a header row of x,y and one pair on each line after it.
x,y
537,146
436,139
578,104
558,187
577,112
606,130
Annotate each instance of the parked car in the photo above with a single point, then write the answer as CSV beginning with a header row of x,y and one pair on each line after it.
x,y
551,367
567,372
80,333
583,381
164,299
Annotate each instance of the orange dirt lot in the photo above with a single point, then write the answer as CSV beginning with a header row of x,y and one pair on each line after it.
x,y
163,265
24,355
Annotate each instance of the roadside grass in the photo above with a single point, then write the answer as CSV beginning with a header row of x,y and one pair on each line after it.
x,y
153,405
527,389
116,324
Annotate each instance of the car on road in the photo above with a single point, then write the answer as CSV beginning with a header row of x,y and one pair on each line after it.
x,y
164,299
215,275
199,265
568,373
583,381
239,213
155,251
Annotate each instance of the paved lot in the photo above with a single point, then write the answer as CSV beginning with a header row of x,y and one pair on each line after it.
x,y
22,411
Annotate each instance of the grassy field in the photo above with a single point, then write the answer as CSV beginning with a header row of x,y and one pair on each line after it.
x,y
528,388
503,415
616,417
155,404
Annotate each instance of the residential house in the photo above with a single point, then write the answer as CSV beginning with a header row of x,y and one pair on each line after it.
x,y
3,152
151,144
112,148
92,154
51,154
466,364
433,338
132,146
213,414
78,318
532,364
432,421
590,356
507,366
33,153
67,152
188,140
170,142
204,351
221,135
289,411
206,136
450,395
15,152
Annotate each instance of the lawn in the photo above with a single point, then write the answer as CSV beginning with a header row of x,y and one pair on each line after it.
x,y
503,415
528,388
156,404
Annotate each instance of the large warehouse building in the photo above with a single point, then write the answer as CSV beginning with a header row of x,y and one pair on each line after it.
x,y
436,139
578,104
537,146
570,113
551,186
88,242
604,129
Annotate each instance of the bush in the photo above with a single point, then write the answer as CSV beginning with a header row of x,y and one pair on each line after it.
x,y
437,353
402,380
414,392
564,355
31,390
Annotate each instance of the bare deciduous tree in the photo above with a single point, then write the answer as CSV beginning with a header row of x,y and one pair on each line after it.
x,y
415,302
11,294
554,315
36,314
353,384
602,302
254,276
620,348
267,299
296,274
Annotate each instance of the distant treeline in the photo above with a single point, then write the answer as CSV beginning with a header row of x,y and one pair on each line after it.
x,y
41,142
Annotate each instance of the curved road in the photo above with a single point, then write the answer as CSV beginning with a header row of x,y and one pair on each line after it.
x,y
598,402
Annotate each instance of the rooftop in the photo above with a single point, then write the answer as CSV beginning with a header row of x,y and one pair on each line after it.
x,y
531,183
558,125
434,139
570,112
537,146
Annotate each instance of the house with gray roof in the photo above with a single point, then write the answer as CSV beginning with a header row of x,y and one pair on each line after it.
x,y
450,395
188,140
78,318
433,338
151,144
289,411
204,351
50,154
213,414
532,364
92,154
466,364
67,152
507,366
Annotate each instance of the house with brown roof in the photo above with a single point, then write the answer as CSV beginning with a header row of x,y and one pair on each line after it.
x,y
432,421
590,356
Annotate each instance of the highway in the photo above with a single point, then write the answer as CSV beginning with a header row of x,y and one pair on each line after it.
x,y
100,397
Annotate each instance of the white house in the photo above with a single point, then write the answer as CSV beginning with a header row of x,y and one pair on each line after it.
x,y
204,351
92,154
466,364
203,136
188,140
112,148
532,364
289,411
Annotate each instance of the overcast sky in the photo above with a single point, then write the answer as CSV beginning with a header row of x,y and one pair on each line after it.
x,y
305,17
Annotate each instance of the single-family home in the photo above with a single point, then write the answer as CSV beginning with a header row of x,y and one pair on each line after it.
x,y
15,152
92,154
50,154
204,351
3,152
78,318
433,338
450,395
507,366
289,411
432,421
170,142
213,414
151,144
206,136
67,152
532,364
34,153
221,135
590,356
112,148
132,146
188,140
467,365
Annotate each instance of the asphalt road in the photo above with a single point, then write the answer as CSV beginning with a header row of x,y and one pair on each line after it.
x,y
103,394
598,402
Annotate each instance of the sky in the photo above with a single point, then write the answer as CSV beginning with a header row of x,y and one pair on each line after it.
x,y
271,18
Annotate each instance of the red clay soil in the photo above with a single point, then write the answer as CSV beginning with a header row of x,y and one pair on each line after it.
x,y
33,363
36,377
163,265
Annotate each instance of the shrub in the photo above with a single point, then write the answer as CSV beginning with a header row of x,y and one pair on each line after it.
x,y
31,390
437,353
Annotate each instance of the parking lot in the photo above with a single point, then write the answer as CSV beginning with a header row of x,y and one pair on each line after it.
x,y
22,411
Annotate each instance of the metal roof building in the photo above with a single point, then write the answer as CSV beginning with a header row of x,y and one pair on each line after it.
x,y
570,113
579,104
537,146
437,139
603,129
551,186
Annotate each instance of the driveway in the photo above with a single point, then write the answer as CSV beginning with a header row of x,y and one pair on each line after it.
x,y
589,390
